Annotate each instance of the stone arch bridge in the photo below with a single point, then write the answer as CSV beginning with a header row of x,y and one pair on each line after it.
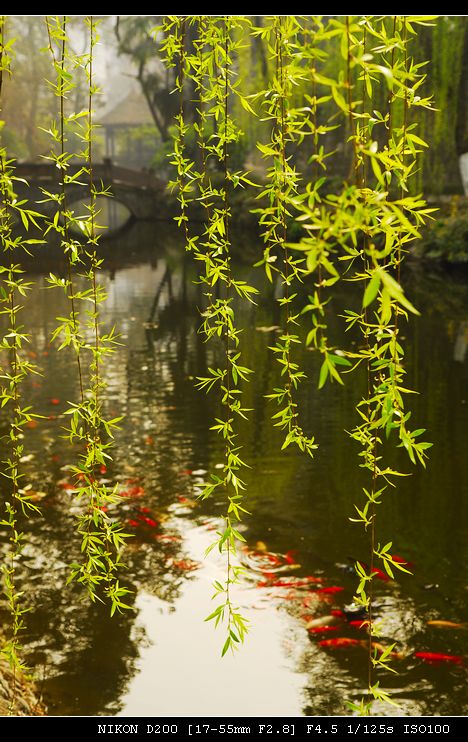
x,y
140,191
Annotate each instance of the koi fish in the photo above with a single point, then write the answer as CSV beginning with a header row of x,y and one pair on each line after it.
x,y
54,400
338,613
400,560
133,523
340,641
149,521
375,571
66,485
435,657
446,624
358,624
330,590
186,564
380,649
34,495
322,629
133,492
315,623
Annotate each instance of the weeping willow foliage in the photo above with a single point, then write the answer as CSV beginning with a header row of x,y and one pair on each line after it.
x,y
14,370
329,95
102,537
358,230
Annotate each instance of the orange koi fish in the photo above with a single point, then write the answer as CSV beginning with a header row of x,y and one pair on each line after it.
x,y
322,629
133,492
380,649
446,624
340,641
436,657
186,564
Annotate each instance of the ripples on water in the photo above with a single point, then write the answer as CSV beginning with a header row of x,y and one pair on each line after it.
x,y
162,658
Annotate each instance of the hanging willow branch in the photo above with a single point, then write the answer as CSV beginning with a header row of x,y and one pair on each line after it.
x,y
102,538
211,70
289,126
14,370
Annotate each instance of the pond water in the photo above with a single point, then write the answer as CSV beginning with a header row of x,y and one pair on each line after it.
x,y
161,658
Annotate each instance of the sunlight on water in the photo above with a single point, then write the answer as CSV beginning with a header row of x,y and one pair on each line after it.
x,y
181,672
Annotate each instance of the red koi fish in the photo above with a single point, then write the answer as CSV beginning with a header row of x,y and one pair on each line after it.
x,y
321,629
435,657
400,560
338,613
67,485
133,523
340,641
330,590
375,571
358,624
149,521
54,400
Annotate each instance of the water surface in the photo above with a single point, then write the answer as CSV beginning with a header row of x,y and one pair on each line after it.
x,y
162,658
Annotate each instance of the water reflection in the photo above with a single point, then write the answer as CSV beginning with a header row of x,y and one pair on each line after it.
x,y
162,658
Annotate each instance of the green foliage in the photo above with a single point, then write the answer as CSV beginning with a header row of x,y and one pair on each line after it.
x,y
343,90
209,68
14,370
102,539
357,231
